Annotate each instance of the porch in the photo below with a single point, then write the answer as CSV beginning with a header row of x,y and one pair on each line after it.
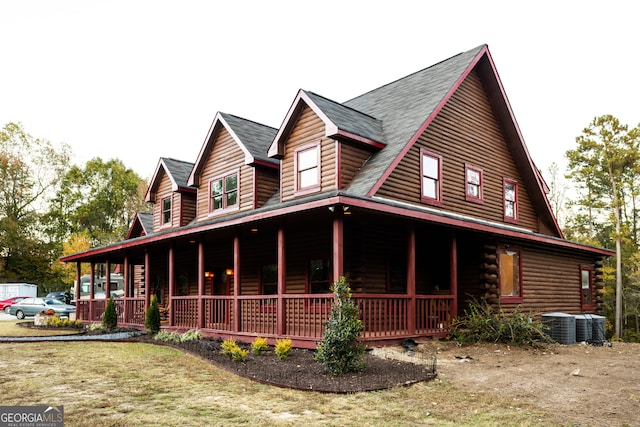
x,y
386,318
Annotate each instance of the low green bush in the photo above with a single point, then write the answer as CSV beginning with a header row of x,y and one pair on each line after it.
x,y
283,348
482,323
191,335
259,346
230,348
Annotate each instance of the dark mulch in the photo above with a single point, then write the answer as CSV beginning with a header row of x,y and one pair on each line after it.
x,y
300,371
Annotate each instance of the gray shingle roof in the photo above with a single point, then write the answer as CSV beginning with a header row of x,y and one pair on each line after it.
x,y
146,220
178,171
254,136
403,107
348,119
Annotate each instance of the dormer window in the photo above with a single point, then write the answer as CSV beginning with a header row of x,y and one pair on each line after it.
x,y
166,211
224,192
307,166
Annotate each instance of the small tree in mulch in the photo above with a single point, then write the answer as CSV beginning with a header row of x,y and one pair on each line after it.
x,y
110,316
152,319
340,351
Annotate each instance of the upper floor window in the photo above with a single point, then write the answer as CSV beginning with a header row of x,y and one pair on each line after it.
x,y
510,200
474,182
431,178
166,211
307,167
509,275
224,192
586,285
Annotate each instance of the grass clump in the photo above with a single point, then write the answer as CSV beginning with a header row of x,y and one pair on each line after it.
x,y
482,323
259,346
340,351
231,348
283,348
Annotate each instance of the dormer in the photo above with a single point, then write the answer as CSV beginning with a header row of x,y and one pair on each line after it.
x,y
232,172
173,199
142,225
322,144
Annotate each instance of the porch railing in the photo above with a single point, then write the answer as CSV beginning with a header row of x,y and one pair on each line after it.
x,y
383,316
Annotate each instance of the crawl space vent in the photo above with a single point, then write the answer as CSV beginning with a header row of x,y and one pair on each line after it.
x,y
562,327
584,327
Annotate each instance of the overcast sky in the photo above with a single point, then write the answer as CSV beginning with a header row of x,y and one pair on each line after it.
x,y
137,80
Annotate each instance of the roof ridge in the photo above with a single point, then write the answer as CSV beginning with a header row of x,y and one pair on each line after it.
x,y
344,105
176,160
246,120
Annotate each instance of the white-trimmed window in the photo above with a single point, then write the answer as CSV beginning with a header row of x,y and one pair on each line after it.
x,y
510,275
474,183
307,167
165,218
431,178
224,192
510,200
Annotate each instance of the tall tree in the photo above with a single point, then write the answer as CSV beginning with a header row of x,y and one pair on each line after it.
x,y
100,198
602,162
557,193
30,169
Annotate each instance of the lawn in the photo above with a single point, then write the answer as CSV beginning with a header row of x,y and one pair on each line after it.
x,y
128,384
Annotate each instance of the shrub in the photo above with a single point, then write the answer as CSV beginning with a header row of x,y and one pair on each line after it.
x,y
259,346
166,336
283,348
230,348
481,323
191,335
340,351
152,319
110,316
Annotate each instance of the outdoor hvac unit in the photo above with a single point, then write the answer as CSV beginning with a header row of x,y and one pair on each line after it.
x,y
584,327
598,334
562,327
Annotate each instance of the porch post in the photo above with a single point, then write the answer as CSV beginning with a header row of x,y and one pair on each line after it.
x,y
125,273
453,276
172,283
78,275
107,278
200,284
147,280
411,280
92,285
338,246
236,283
282,287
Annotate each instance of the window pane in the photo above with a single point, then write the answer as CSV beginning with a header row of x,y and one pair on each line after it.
x,y
510,192
509,273
216,187
166,204
231,183
430,167
473,190
585,278
429,187
509,209
473,177
308,178
308,159
217,202
232,198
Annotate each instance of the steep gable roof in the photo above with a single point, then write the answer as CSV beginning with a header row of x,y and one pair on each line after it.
x,y
142,225
341,122
252,138
178,172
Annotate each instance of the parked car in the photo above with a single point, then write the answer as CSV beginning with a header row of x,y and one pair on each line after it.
x,y
6,303
33,306
64,297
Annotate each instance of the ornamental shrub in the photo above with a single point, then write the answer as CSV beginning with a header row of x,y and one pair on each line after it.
x,y
283,348
230,348
152,319
259,346
340,351
110,316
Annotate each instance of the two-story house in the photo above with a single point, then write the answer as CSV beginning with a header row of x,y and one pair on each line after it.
x,y
421,192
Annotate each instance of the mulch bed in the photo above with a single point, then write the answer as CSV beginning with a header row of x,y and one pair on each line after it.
x,y
300,371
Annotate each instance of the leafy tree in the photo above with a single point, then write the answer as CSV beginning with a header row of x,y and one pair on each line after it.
x,y
557,193
604,165
340,351
101,198
30,170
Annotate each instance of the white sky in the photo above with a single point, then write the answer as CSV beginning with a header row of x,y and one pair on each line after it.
x,y
137,80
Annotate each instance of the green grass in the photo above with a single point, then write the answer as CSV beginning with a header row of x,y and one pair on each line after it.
x,y
135,384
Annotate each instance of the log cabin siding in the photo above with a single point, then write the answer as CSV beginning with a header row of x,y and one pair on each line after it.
x,y
187,208
267,182
256,250
466,131
352,158
309,128
224,158
303,245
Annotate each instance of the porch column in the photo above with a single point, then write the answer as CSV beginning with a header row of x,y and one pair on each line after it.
x,y
411,280
107,277
282,287
338,246
236,283
78,275
453,276
201,284
125,273
172,283
147,280
91,289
